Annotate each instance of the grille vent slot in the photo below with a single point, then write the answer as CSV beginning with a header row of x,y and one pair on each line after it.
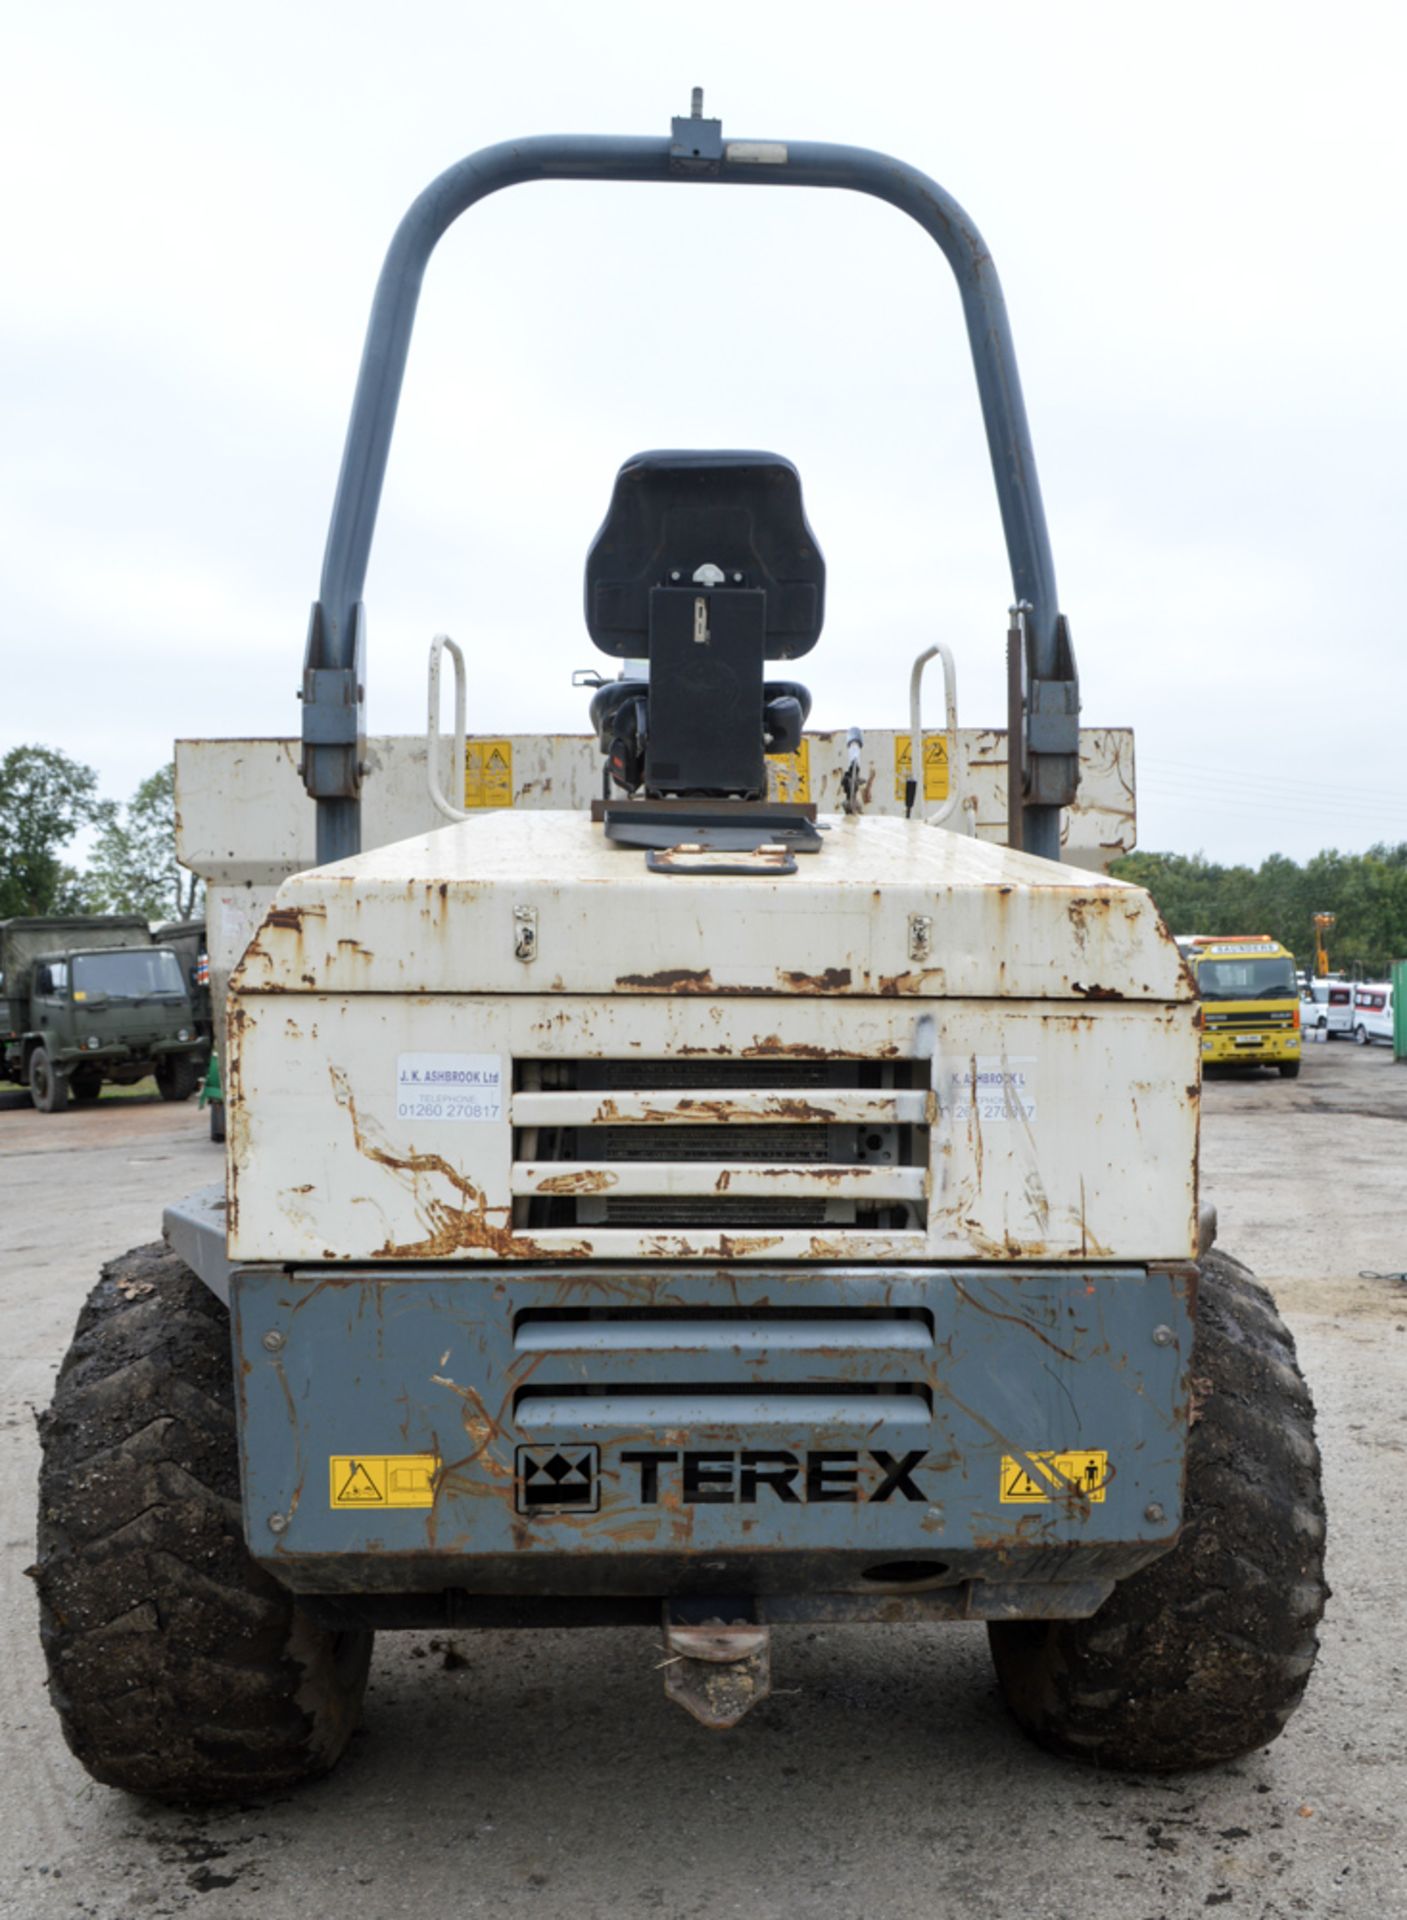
x,y
724,1368
835,1145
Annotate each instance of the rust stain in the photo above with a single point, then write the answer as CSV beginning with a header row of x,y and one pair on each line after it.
x,y
291,918
722,1112
449,1229
890,986
588,1180
1096,993
771,1046
670,980
833,980
1015,1319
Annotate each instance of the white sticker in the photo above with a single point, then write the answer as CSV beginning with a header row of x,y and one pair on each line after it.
x,y
994,1086
449,1086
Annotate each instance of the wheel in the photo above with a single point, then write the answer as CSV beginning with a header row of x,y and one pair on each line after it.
x,y
1204,1655
86,1083
1289,1069
179,1669
177,1077
48,1088
217,1119
1360,1034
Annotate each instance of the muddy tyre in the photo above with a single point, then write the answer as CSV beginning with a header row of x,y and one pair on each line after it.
x,y
1289,1069
177,1077
85,1085
1204,1655
178,1668
48,1088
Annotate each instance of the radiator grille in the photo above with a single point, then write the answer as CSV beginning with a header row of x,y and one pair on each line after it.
x,y
784,1142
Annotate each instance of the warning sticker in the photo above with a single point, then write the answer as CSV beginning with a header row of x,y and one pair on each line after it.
x,y
488,773
382,1479
1037,1478
789,775
935,765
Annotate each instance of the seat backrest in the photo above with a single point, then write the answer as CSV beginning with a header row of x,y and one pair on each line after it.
x,y
672,513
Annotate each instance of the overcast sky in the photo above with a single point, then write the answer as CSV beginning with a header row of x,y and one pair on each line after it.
x,y
1196,212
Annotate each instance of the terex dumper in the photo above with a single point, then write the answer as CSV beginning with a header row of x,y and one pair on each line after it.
x,y
690,1207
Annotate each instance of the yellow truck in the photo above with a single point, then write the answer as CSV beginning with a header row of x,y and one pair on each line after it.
x,y
1250,1002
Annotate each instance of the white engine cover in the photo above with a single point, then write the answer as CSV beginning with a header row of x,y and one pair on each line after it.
x,y
409,1029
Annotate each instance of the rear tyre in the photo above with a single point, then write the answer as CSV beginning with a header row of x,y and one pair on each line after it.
x,y
86,1084
179,1669
177,1077
1204,1655
1360,1034
1289,1069
48,1088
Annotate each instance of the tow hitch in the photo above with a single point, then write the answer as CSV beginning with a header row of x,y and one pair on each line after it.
x,y
718,1658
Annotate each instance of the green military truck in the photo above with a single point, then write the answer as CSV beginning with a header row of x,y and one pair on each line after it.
x,y
186,939
93,999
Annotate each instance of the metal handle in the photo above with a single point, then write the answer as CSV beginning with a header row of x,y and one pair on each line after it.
x,y
438,646
950,704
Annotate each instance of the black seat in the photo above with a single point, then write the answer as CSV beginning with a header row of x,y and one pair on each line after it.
x,y
706,566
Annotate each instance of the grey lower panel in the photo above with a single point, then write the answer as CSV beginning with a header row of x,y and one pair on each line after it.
x,y
651,1430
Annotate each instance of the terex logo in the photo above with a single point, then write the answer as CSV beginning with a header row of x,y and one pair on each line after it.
x,y
709,1478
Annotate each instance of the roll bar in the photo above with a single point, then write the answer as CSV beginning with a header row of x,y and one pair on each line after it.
x,y
334,675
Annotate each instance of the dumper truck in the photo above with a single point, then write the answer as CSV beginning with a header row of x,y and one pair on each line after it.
x,y
92,999
678,1201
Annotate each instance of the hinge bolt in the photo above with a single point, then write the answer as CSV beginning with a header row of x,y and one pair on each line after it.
x,y
1153,1512
273,1341
1162,1336
278,1523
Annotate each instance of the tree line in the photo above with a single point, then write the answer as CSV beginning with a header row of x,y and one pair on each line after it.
x,y
46,799
1366,893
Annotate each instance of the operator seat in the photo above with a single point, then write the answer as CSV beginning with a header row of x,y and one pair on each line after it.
x,y
704,565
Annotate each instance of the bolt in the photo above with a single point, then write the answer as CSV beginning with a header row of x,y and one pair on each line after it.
x,y
1162,1336
273,1341
1153,1512
278,1523
674,573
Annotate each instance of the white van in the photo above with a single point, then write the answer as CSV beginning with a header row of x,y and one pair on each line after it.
x,y
1372,1012
1326,1006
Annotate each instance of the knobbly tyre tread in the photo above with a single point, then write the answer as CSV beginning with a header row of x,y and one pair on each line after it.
x,y
177,1077
179,1669
1204,1655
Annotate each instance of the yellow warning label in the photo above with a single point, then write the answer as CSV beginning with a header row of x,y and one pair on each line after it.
x,y
1037,1477
488,773
935,765
789,774
382,1479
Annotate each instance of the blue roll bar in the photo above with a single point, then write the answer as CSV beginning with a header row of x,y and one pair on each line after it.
x,y
334,681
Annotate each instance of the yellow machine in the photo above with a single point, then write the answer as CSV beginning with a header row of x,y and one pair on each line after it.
x,y
1322,924
1250,1003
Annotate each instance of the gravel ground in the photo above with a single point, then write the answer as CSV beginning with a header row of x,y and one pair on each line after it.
x,y
506,1774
